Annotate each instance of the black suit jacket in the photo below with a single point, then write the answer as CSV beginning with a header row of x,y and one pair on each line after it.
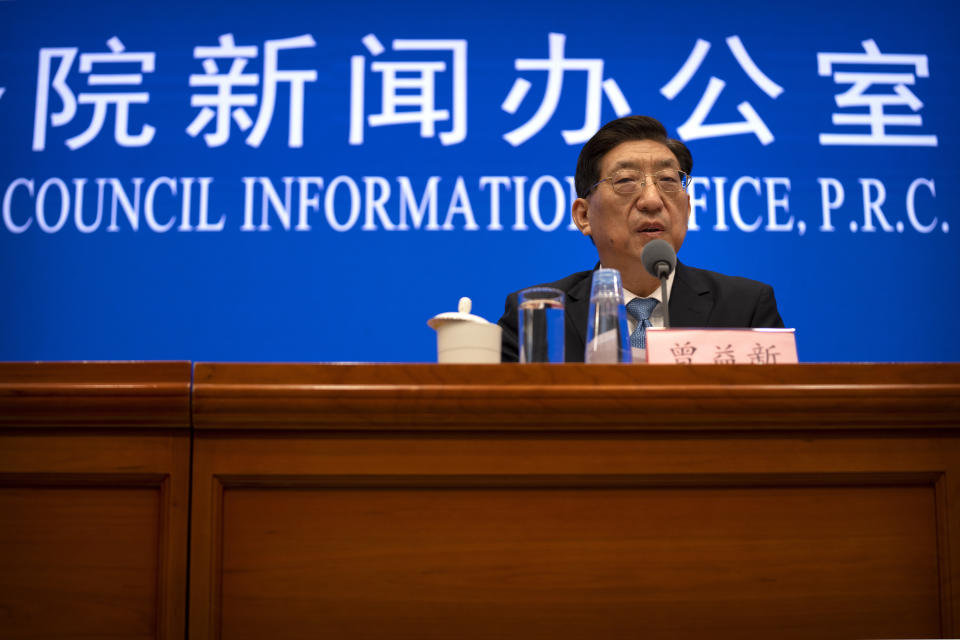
x,y
699,298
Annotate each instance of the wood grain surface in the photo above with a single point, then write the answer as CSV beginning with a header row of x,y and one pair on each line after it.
x,y
421,501
553,397
95,394
94,499
479,501
580,562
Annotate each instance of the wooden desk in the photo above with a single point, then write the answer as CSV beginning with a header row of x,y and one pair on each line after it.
x,y
575,501
94,494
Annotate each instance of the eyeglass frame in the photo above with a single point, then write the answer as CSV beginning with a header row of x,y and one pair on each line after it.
x,y
643,183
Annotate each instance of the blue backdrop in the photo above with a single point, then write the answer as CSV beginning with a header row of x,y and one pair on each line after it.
x,y
289,181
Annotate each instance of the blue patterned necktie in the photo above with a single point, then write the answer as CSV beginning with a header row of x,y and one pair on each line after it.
x,y
640,309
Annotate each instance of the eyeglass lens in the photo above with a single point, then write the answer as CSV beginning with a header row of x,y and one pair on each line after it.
x,y
631,181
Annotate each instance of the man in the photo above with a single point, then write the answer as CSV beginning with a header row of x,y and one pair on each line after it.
x,y
631,183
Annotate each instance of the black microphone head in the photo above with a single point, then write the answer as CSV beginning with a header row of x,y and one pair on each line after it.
x,y
659,258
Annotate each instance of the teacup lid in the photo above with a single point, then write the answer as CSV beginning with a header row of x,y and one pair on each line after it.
x,y
461,315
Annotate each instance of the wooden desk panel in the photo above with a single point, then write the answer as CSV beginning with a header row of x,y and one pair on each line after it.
x,y
94,494
576,562
313,517
79,561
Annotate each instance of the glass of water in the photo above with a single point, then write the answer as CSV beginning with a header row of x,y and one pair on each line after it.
x,y
540,325
608,339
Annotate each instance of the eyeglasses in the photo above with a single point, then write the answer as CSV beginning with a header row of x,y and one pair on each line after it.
x,y
627,181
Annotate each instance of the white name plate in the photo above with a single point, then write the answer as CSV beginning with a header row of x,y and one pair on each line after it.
x,y
721,346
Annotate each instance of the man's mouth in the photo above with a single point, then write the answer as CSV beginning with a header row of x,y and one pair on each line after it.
x,y
651,229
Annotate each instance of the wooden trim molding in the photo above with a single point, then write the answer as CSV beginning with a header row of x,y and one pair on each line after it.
x,y
95,394
550,397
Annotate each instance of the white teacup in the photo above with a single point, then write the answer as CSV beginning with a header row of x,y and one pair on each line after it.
x,y
465,338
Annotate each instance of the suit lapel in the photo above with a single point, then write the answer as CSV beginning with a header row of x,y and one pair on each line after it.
x,y
691,299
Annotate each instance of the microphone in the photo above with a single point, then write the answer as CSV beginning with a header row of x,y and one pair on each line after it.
x,y
659,259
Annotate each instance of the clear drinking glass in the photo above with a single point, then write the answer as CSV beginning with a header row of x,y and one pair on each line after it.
x,y
608,339
540,325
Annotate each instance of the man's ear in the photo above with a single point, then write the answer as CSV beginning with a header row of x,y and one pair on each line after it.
x,y
581,217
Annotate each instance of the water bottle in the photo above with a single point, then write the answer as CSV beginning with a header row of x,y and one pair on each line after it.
x,y
608,339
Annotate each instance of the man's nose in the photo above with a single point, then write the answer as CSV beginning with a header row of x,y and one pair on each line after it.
x,y
649,197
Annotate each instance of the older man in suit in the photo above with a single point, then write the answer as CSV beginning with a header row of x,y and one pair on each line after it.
x,y
631,183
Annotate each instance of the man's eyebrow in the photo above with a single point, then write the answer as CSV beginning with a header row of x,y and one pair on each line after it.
x,y
662,163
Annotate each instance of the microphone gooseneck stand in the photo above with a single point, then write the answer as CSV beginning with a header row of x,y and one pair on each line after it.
x,y
664,271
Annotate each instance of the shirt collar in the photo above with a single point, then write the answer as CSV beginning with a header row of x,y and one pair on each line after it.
x,y
656,295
